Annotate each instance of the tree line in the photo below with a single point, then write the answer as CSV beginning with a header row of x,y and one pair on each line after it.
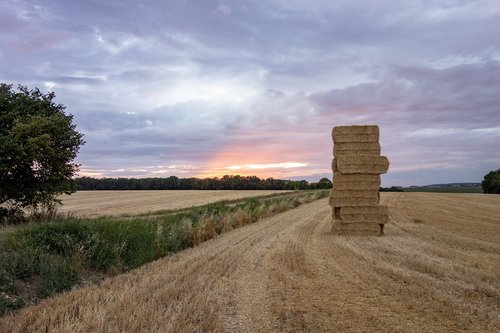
x,y
174,183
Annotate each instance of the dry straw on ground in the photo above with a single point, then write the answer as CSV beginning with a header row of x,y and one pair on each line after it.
x,y
288,274
359,228
114,203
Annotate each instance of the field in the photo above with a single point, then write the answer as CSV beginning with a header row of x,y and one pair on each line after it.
x,y
436,270
115,203
446,189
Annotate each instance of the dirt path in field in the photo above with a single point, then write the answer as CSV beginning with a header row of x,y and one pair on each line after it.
x,y
436,270
115,203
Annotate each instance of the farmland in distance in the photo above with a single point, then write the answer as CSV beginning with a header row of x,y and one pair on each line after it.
x,y
116,203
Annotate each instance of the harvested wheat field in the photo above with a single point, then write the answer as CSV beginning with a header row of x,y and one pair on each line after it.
x,y
115,203
436,270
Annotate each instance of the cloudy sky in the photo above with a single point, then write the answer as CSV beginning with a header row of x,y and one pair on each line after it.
x,y
206,88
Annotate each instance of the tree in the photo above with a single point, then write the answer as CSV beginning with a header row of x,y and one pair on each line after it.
x,y
491,182
38,143
324,183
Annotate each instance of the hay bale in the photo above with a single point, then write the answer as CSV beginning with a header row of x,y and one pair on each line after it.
x,y
377,214
334,165
340,198
353,148
356,138
357,166
356,181
365,164
356,229
355,129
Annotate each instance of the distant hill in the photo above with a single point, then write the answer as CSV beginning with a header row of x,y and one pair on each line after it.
x,y
447,188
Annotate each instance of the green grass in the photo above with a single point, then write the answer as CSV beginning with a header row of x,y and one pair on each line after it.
x,y
41,259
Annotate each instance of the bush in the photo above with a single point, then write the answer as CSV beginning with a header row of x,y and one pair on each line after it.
x,y
12,215
7,305
57,274
491,182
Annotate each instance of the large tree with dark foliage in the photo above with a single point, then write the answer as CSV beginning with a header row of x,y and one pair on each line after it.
x,y
491,182
38,143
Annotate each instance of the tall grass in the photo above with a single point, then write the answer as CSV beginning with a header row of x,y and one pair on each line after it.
x,y
44,258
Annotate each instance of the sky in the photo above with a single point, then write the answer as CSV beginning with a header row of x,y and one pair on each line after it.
x,y
207,88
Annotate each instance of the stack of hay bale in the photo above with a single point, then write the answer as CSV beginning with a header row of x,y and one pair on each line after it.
x,y
357,166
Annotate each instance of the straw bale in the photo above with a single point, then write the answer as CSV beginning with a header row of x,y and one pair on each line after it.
x,y
354,148
354,181
366,164
355,129
336,213
340,198
356,229
354,193
356,138
378,214
334,165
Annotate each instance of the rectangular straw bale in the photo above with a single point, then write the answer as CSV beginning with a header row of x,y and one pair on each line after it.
x,y
334,165
378,214
354,181
355,129
355,138
366,164
340,198
354,148
356,229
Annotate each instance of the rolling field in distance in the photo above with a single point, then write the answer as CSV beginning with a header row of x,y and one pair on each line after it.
x,y
436,270
116,203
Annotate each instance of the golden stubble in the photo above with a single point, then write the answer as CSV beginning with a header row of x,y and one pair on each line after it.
x,y
436,270
116,203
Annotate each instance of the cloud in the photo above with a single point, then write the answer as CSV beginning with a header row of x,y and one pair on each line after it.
x,y
223,9
284,165
210,85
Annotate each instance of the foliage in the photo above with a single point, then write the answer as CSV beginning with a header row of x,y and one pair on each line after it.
x,y
445,189
324,183
491,182
53,256
38,143
391,189
224,183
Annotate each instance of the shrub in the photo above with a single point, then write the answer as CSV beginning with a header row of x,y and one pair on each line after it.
x,y
57,274
491,182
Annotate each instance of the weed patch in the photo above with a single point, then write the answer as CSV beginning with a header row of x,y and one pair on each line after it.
x,y
53,256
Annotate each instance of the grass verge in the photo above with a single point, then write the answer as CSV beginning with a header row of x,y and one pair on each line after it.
x,y
41,259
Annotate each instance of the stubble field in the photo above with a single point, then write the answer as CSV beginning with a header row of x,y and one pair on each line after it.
x,y
436,270
116,203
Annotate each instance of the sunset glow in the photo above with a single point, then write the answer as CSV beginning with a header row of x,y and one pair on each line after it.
x,y
286,165
254,88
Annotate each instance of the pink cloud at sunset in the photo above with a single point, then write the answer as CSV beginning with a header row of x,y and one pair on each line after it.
x,y
255,88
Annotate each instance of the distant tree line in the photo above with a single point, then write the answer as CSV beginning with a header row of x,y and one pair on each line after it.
x,y
175,183
391,189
